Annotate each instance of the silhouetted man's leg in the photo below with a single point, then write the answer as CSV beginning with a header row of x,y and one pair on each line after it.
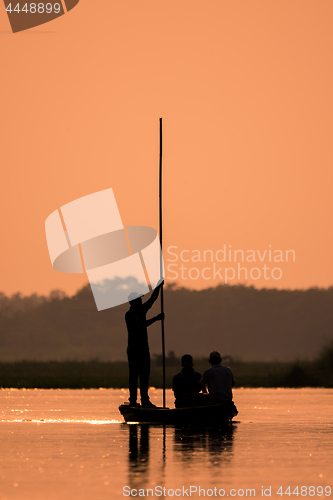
x,y
144,376
133,364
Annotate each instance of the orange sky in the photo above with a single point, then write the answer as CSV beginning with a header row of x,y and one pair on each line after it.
x,y
245,92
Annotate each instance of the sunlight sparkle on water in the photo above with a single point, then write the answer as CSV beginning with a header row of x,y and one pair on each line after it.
x,y
65,421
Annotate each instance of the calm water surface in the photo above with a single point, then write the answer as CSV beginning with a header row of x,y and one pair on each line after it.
x,y
66,444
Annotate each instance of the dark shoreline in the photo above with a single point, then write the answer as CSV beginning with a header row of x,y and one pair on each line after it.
x,y
95,374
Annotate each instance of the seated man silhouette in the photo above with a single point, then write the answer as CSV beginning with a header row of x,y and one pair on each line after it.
x,y
219,379
138,348
184,384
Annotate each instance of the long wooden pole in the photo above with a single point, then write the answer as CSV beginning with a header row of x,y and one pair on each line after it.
x,y
161,261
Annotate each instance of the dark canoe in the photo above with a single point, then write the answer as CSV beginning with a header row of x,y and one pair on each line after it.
x,y
204,415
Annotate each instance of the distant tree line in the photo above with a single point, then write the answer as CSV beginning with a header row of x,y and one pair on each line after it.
x,y
243,322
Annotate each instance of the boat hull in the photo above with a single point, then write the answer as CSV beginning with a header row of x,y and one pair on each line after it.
x,y
218,414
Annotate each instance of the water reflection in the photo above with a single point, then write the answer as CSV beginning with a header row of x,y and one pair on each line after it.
x,y
216,443
151,447
139,445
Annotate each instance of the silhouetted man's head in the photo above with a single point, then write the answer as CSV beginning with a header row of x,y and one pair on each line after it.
x,y
187,361
215,358
135,299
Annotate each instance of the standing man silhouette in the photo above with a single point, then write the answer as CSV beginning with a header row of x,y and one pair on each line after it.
x,y
138,347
